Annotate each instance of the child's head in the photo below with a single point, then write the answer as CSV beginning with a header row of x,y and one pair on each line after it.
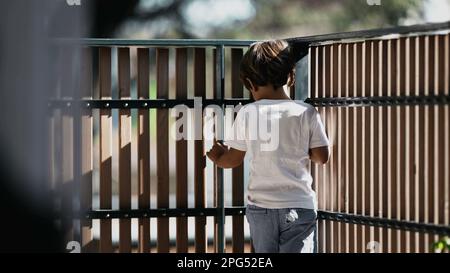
x,y
267,63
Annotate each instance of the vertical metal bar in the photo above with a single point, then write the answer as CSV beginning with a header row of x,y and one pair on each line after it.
x,y
219,93
199,154
86,92
124,150
162,147
238,172
181,154
105,148
143,144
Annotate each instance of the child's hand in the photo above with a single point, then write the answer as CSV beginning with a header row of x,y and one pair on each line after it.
x,y
217,150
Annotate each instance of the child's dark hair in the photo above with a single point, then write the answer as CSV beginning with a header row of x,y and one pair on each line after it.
x,y
268,62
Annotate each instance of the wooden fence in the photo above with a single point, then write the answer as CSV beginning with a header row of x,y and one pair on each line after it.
x,y
387,161
384,102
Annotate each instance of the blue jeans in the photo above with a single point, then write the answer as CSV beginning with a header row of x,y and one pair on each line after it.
x,y
282,230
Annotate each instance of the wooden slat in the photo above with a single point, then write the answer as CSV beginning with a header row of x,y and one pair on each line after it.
x,y
143,144
401,170
428,137
408,63
66,133
347,144
215,190
446,120
312,92
441,124
352,148
238,172
359,148
124,150
367,142
411,205
435,143
384,142
415,142
86,134
325,116
421,141
447,130
199,154
162,147
377,148
218,82
324,92
181,154
340,149
334,124
319,169
67,185
105,148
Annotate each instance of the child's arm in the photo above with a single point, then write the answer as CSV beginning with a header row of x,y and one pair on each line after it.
x,y
319,155
224,157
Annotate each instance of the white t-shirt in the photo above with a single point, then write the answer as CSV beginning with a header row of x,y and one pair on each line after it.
x,y
277,135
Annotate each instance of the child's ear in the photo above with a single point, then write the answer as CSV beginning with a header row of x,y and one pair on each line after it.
x,y
250,85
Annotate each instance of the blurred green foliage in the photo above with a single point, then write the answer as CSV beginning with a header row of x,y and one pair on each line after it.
x,y
308,17
267,19
389,13
442,245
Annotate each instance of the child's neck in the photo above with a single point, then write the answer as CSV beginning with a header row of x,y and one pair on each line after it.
x,y
268,93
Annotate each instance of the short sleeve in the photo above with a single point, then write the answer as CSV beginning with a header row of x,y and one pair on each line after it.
x,y
236,138
318,135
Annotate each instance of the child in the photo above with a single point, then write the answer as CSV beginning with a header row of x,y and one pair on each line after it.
x,y
282,206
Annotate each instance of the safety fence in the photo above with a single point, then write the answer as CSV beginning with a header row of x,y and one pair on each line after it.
x,y
384,101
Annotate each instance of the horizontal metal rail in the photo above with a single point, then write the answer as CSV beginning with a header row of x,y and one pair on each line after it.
x,y
361,34
372,33
230,211
317,102
384,223
100,42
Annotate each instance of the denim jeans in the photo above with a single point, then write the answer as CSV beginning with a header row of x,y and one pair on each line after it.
x,y
282,230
